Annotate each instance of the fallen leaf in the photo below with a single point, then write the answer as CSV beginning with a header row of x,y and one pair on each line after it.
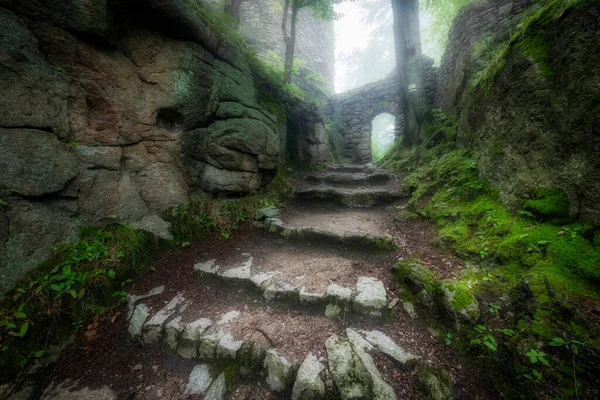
x,y
91,335
426,263
560,233
115,317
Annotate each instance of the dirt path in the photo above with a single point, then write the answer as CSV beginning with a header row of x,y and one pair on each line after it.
x,y
312,291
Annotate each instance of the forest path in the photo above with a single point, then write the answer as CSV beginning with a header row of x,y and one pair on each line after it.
x,y
304,309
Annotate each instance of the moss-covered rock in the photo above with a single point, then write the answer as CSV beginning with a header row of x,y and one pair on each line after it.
x,y
459,302
551,203
434,383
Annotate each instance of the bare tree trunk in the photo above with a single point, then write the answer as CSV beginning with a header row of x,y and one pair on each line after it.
x,y
290,41
410,68
232,7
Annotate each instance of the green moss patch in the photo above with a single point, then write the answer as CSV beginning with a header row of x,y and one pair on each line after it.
x,y
534,280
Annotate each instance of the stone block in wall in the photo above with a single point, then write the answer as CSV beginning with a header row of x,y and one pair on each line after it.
x,y
34,163
34,95
34,228
222,180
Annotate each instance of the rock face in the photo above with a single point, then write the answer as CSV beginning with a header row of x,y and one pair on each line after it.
x,y
106,120
353,112
550,140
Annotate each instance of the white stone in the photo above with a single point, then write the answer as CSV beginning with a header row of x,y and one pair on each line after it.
x,y
358,341
208,267
217,389
132,299
262,279
387,346
310,297
371,296
278,370
207,349
349,374
240,273
409,308
139,317
339,293
190,337
228,347
228,317
280,290
332,310
309,383
198,381
153,329
173,331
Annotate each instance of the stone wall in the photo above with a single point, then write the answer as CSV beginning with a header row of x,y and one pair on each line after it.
x,y
538,125
490,21
353,112
261,25
116,112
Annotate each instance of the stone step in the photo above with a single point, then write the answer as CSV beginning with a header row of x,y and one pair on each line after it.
x,y
267,345
358,241
359,197
351,167
367,297
341,179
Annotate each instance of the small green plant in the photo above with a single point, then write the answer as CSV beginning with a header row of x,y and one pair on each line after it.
x,y
3,203
485,338
449,339
488,277
536,356
534,375
494,308
484,252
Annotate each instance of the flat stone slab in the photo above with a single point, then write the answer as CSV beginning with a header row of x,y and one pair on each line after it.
x,y
133,300
311,297
240,273
190,338
387,346
207,267
281,290
198,381
339,293
371,297
173,331
153,329
262,279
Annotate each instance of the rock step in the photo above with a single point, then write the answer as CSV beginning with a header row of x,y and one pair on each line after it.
x,y
348,355
368,297
350,197
365,242
351,167
348,179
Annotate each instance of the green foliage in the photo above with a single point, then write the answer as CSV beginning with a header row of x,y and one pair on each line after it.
x,y
449,339
80,281
201,218
484,338
547,271
536,356
529,40
549,203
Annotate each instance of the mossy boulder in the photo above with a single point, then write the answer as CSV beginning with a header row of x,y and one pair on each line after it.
x,y
459,302
551,204
434,383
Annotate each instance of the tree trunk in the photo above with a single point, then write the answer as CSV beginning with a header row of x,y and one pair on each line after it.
x,y
290,41
232,7
410,68
286,38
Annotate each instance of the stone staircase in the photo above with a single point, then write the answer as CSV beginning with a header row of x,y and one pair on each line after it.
x,y
297,312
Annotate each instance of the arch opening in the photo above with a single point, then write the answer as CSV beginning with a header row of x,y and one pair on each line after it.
x,y
382,135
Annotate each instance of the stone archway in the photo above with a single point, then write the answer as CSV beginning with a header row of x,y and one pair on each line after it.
x,y
352,112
